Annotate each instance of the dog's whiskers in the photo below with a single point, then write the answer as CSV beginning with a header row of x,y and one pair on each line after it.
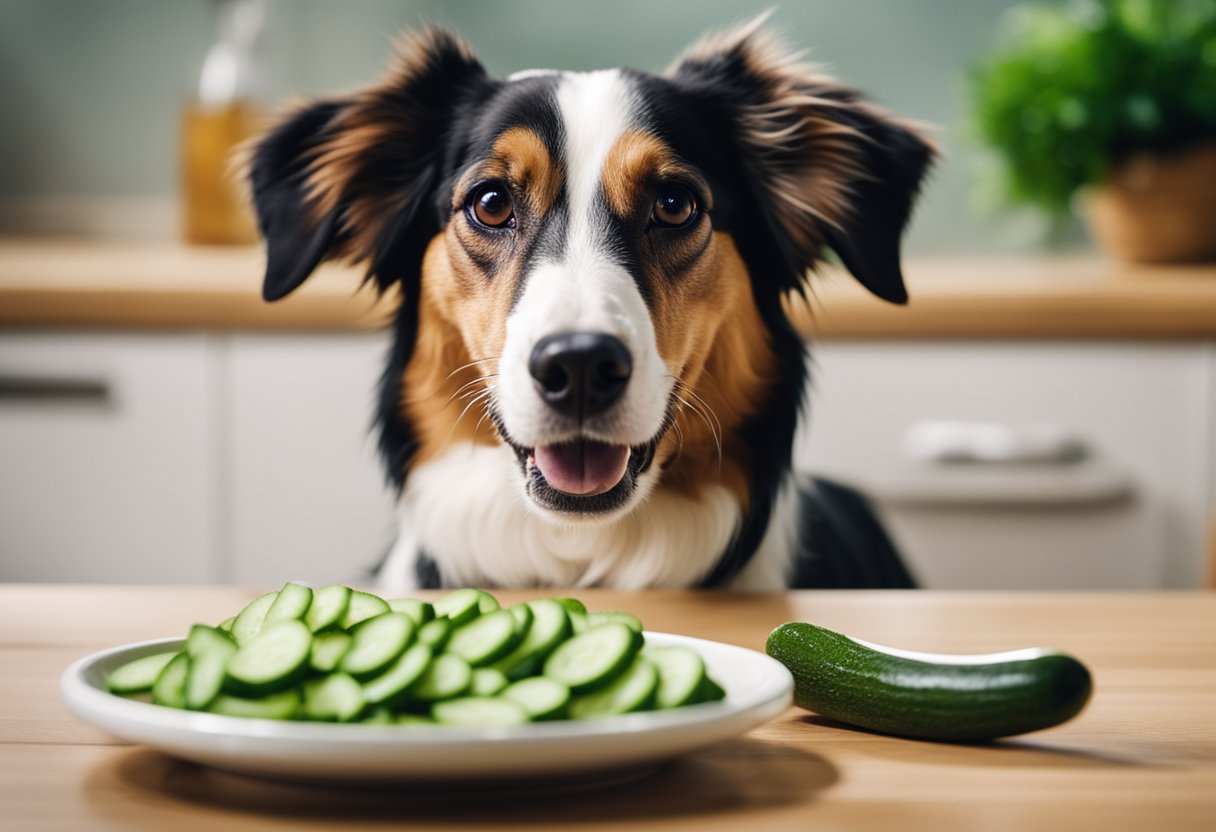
x,y
447,378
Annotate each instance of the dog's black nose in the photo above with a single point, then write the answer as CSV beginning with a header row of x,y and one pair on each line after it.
x,y
580,374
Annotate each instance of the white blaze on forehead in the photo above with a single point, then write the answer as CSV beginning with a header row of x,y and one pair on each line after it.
x,y
583,286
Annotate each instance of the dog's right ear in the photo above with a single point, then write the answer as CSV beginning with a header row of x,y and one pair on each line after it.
x,y
296,241
353,178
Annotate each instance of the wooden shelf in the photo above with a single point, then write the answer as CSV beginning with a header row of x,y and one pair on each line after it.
x,y
55,283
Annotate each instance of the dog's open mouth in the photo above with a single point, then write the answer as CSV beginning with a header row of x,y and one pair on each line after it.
x,y
584,476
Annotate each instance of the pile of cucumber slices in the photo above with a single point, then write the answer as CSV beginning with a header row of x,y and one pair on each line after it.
x,y
340,655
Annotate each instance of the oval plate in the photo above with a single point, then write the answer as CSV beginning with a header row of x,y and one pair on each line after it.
x,y
757,689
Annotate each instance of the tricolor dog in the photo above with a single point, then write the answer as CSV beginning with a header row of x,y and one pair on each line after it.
x,y
592,380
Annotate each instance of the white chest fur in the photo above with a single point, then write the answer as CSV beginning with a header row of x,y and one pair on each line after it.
x,y
466,509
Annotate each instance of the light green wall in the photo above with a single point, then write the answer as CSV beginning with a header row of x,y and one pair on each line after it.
x,y
91,90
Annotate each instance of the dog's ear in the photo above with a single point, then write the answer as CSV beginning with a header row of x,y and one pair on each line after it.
x,y
832,170
354,178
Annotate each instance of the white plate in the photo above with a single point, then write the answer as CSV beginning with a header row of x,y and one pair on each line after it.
x,y
757,689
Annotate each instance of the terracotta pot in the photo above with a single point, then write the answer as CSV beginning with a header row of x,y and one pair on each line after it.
x,y
1159,208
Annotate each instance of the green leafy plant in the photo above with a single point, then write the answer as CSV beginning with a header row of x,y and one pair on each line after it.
x,y
1074,89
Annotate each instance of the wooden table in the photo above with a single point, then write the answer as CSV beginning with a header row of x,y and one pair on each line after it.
x,y
1141,757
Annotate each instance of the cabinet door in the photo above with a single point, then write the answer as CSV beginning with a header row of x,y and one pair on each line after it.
x,y
1140,408
106,458
307,499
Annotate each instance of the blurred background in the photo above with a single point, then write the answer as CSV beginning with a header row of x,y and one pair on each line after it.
x,y
1043,414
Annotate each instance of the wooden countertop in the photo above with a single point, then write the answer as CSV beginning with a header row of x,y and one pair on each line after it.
x,y
1142,756
49,283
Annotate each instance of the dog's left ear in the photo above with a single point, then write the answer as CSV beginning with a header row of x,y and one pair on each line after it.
x,y
831,169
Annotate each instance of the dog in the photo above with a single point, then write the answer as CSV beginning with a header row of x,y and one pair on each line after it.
x,y
592,380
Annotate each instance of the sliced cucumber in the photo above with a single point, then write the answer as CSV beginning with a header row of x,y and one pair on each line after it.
x,y
329,606
169,689
273,660
335,698
436,633
391,687
414,719
486,602
226,624
420,611
446,677
487,682
479,712
328,649
379,716
578,622
292,602
929,696
550,626
523,618
711,691
572,605
543,698
485,638
682,676
460,607
362,606
209,650
139,675
595,619
633,690
282,705
378,642
593,659
248,621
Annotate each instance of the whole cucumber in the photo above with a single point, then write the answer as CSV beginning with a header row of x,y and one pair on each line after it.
x,y
929,696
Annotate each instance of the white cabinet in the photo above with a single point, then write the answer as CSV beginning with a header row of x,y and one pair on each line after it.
x,y
106,453
305,496
1143,410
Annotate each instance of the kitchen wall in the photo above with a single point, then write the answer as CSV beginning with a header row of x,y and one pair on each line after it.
x,y
92,91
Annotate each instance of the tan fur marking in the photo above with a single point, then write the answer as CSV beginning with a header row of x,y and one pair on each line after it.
x,y
529,168
636,159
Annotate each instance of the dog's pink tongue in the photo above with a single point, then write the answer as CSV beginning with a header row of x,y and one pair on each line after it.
x,y
582,468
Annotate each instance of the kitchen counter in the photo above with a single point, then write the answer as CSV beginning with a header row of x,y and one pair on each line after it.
x,y
50,283
1142,756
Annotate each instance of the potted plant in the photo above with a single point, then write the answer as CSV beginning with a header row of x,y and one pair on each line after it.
x,y
1115,100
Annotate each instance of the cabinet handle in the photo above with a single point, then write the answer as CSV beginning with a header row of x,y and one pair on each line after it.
x,y
83,390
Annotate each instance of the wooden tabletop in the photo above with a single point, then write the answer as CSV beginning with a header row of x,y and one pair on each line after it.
x,y
1142,756
80,283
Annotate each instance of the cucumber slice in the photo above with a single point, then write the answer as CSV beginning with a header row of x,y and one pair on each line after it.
x,y
420,611
486,602
328,649
578,622
282,705
248,622
572,605
363,605
595,619
523,618
541,697
209,650
435,633
712,691
335,698
487,681
479,712
550,626
682,676
593,659
633,690
379,716
329,606
273,660
169,689
226,624
461,606
391,686
292,602
485,638
414,719
139,675
447,677
377,644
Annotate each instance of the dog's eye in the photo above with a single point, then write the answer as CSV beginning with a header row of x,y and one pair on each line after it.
x,y
491,206
674,206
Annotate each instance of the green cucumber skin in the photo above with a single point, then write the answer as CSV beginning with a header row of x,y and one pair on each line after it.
x,y
848,682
